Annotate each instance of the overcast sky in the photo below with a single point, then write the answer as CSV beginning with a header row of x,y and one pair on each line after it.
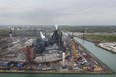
x,y
70,12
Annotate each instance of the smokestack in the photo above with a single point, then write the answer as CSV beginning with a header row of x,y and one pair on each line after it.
x,y
63,59
10,33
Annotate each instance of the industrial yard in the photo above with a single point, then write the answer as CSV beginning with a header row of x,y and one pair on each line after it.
x,y
47,52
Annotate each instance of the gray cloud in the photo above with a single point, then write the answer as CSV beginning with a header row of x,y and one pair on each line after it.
x,y
77,12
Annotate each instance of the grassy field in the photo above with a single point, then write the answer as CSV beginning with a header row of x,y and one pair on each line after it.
x,y
100,38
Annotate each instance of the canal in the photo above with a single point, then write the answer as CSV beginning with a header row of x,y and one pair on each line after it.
x,y
105,56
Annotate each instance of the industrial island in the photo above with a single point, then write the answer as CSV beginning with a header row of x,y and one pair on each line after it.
x,y
49,52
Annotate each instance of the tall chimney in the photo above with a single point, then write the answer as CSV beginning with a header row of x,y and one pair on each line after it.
x,y
63,59
10,33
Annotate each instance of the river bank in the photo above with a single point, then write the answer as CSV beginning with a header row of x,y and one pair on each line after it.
x,y
108,46
107,42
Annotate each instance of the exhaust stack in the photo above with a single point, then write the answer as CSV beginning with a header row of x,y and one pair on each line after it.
x,y
63,59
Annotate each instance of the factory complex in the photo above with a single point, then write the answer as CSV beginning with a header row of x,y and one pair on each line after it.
x,y
48,52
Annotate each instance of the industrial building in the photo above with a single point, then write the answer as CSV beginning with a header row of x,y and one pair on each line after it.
x,y
55,52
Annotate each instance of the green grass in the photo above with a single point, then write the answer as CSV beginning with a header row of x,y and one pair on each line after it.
x,y
101,38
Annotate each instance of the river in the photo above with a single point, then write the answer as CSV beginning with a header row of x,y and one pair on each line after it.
x,y
105,56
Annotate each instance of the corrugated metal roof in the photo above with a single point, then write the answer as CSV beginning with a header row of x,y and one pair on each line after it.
x,y
4,63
